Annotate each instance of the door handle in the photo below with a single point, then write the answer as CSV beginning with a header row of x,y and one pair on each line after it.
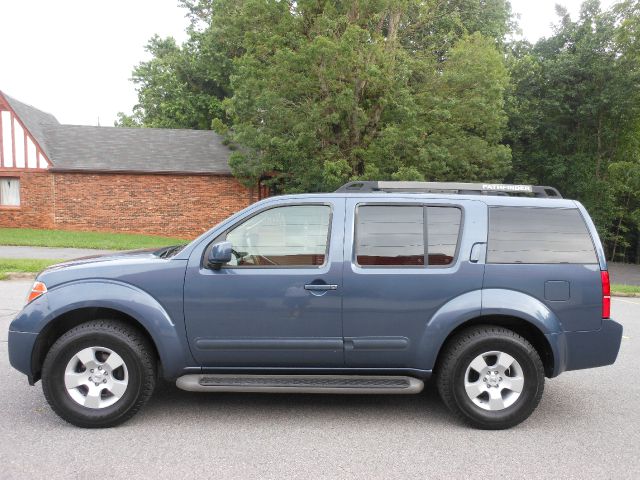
x,y
320,287
477,251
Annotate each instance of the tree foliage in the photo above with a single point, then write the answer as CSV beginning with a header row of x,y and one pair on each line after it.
x,y
318,92
345,99
573,109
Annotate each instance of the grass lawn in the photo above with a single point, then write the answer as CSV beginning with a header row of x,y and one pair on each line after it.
x,y
625,289
23,265
63,238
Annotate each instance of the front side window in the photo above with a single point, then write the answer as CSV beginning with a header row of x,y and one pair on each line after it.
x,y
295,235
9,191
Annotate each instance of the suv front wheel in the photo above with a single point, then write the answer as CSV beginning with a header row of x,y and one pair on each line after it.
x,y
491,377
99,374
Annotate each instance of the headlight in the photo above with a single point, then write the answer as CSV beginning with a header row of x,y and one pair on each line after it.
x,y
38,289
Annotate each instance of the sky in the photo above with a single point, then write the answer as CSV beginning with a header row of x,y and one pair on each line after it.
x,y
537,16
74,58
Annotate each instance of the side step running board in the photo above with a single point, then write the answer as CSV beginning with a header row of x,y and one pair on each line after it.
x,y
300,383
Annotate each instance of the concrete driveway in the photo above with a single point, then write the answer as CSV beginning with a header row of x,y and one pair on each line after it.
x,y
585,427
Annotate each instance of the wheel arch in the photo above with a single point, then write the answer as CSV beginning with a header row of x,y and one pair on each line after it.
x,y
68,305
508,308
522,327
61,324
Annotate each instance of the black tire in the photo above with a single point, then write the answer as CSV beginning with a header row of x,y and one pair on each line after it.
x,y
457,357
121,338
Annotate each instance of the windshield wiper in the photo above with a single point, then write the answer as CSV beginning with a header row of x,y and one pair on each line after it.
x,y
171,251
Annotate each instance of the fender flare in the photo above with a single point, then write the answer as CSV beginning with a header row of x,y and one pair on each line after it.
x,y
478,303
499,301
167,335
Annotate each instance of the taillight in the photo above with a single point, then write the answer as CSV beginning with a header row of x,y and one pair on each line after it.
x,y
606,294
38,289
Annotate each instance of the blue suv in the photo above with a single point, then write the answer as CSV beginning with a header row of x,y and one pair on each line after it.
x,y
375,288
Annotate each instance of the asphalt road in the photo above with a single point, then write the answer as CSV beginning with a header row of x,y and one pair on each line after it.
x,y
625,273
587,426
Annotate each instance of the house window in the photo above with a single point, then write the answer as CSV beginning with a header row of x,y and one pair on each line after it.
x,y
9,191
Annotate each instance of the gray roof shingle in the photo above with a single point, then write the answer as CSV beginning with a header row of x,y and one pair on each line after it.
x,y
78,147
157,150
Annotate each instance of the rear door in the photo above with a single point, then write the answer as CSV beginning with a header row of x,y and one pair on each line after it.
x,y
404,259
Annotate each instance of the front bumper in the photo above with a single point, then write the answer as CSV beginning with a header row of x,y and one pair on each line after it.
x,y
21,345
589,349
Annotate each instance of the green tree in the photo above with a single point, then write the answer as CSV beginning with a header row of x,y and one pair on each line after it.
x,y
317,92
183,86
175,88
572,100
346,95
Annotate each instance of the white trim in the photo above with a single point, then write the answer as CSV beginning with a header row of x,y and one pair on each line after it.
x,y
42,162
6,139
18,131
32,154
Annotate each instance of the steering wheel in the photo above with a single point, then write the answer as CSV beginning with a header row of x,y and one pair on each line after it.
x,y
238,255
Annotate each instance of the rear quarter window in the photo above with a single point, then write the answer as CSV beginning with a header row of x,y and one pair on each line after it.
x,y
538,235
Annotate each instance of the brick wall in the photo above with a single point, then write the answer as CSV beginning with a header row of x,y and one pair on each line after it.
x,y
36,201
175,205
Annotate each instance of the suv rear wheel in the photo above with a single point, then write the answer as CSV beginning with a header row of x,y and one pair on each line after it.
x,y
491,377
99,374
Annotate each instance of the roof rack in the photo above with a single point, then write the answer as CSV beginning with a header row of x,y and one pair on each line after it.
x,y
450,187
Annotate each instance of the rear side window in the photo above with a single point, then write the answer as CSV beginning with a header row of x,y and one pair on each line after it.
x,y
390,235
538,235
394,235
443,226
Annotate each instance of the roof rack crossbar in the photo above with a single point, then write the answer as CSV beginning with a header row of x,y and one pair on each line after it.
x,y
450,187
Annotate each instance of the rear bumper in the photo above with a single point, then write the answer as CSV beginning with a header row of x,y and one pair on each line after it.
x,y
578,350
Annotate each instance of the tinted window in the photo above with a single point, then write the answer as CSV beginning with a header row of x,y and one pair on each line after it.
x,y
390,235
538,235
443,225
283,236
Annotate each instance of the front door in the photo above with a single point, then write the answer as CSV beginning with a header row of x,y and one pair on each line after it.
x,y
404,260
278,302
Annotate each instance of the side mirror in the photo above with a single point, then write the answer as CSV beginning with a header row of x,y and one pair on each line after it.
x,y
219,254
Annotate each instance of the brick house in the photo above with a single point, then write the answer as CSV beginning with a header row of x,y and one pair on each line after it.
x,y
141,180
